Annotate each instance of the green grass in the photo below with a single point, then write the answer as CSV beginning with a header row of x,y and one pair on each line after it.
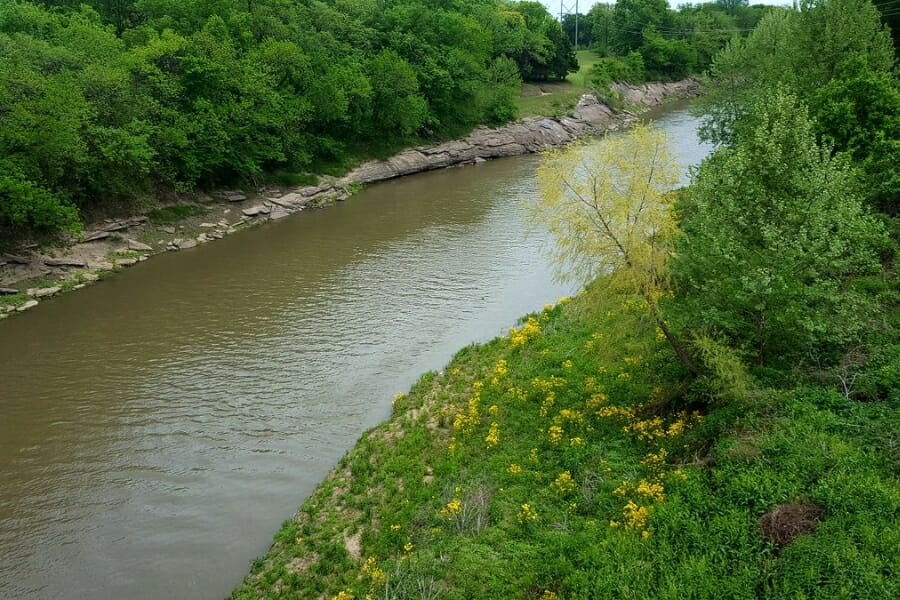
x,y
173,213
436,508
556,98
586,60
294,179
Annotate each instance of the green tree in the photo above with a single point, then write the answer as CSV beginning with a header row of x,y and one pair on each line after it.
x,y
609,207
631,18
775,231
397,106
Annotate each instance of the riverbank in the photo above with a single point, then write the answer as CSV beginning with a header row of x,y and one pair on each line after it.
x,y
565,460
29,277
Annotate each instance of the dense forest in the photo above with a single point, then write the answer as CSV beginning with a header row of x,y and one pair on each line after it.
x,y
106,100
645,39
104,103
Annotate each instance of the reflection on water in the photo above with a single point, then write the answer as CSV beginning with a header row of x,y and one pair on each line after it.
x,y
157,428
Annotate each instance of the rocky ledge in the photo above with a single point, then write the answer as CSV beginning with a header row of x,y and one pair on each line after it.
x,y
106,247
534,134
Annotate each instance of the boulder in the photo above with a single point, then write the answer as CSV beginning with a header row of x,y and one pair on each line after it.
x,y
8,291
278,213
43,292
64,262
141,247
252,211
234,196
27,305
94,236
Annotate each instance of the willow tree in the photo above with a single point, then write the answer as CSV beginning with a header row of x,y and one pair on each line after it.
x,y
610,208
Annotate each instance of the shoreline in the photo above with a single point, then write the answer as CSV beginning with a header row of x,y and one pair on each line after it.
x,y
110,246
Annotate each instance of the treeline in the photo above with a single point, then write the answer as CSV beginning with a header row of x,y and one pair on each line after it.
x,y
645,39
103,101
785,262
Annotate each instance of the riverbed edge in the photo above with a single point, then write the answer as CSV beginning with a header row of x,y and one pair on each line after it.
x,y
111,246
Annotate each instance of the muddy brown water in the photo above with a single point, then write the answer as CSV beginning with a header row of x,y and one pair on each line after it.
x,y
157,428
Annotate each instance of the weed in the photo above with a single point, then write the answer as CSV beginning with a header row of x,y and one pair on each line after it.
x,y
174,213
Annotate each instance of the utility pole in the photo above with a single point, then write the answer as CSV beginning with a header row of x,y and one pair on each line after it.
x,y
567,10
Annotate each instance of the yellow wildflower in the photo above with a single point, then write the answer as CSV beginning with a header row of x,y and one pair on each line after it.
x,y
501,369
527,515
493,436
597,400
453,509
564,484
370,564
679,474
408,547
572,416
635,516
517,394
530,330
651,491
547,404
655,462
556,434
514,469
395,528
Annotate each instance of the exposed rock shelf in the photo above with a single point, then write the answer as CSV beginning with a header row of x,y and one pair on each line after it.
x,y
112,245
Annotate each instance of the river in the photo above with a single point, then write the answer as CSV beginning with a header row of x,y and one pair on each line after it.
x,y
157,428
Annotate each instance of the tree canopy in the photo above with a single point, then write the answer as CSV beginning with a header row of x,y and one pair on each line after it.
x,y
774,229
108,100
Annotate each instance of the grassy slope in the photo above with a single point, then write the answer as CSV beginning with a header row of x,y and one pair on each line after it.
x,y
428,505
557,97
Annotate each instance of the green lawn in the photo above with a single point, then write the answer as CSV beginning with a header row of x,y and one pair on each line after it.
x,y
556,98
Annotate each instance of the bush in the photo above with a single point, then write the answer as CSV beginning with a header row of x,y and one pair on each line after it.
x,y
31,209
607,70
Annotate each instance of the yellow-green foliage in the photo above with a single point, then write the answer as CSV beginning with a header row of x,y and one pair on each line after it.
x,y
727,377
608,207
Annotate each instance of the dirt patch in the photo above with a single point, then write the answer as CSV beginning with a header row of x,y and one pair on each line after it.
x,y
353,544
301,564
785,522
